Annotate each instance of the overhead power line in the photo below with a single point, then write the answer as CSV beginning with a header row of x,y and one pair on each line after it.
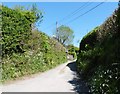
x,y
75,12
82,7
86,4
85,13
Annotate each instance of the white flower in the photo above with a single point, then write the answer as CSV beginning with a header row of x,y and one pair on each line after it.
x,y
103,85
110,76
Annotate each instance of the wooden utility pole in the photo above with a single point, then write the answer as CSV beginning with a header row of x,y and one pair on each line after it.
x,y
56,26
57,31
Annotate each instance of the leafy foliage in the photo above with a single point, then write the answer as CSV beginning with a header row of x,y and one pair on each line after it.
x,y
72,50
99,58
26,51
42,55
64,35
16,29
89,40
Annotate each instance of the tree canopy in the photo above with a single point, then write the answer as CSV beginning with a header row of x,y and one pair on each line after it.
x,y
64,35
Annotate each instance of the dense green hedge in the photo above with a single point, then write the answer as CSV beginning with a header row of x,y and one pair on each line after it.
x,y
72,50
99,64
26,51
89,40
44,53
16,29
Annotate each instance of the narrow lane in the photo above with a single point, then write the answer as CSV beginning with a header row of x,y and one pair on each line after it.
x,y
54,80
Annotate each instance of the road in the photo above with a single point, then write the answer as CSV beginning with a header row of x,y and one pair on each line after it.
x,y
59,79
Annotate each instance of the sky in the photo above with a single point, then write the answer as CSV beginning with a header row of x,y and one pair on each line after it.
x,y
55,11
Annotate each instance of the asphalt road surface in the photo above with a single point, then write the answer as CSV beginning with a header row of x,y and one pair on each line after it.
x,y
59,79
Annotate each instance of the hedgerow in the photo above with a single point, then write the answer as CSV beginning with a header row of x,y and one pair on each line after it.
x,y
16,29
25,50
99,58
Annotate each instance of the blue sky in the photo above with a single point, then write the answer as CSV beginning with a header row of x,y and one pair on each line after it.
x,y
54,11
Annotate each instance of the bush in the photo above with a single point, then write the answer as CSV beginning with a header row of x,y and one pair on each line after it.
x,y
41,56
72,50
16,29
106,80
99,59
26,51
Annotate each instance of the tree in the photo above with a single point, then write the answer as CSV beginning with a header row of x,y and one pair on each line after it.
x,y
38,13
19,8
64,35
34,9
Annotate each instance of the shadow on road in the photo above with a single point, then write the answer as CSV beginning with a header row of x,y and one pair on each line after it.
x,y
79,85
72,66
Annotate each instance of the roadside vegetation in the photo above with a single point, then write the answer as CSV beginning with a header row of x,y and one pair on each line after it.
x,y
72,50
26,50
99,57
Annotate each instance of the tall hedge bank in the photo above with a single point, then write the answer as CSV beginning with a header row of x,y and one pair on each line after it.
x,y
26,51
16,29
99,57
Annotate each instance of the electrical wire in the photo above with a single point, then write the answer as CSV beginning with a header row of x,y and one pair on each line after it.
x,y
85,13
75,12
71,14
